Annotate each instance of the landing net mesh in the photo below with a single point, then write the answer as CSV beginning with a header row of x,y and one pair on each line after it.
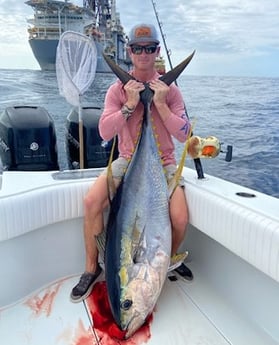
x,y
76,60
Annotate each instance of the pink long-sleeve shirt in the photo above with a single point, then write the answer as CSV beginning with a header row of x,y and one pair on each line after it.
x,y
112,122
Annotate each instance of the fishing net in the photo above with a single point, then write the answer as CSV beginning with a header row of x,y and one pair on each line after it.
x,y
76,60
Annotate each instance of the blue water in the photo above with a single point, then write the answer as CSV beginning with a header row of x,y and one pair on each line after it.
x,y
243,112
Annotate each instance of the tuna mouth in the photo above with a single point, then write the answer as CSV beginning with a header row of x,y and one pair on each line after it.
x,y
133,325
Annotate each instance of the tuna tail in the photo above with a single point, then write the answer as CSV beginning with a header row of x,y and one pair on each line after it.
x,y
119,72
173,74
167,78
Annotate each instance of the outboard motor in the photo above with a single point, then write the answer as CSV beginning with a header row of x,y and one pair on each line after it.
x,y
27,139
96,150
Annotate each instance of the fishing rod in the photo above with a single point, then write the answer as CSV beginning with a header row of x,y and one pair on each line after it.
x,y
197,161
168,51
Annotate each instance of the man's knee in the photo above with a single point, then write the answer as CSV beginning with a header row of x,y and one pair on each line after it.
x,y
93,202
179,209
89,201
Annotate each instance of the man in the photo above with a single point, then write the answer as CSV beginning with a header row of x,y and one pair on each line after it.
x,y
122,116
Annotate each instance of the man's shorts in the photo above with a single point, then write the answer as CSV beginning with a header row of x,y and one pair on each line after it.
x,y
119,167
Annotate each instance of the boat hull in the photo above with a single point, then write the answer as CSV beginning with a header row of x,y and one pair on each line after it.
x,y
45,53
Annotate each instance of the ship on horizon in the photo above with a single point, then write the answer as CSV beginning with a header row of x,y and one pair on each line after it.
x,y
96,18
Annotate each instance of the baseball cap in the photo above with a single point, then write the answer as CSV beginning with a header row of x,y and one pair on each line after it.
x,y
143,33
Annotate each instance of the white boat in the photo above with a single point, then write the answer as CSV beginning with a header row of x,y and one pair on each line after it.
x,y
232,238
233,244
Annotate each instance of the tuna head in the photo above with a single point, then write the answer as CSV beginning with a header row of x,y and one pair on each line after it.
x,y
140,290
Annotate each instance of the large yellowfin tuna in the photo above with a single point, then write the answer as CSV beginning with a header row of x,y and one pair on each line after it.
x,y
138,242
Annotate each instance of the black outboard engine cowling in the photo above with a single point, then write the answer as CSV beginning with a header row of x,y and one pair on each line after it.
x,y
27,139
96,150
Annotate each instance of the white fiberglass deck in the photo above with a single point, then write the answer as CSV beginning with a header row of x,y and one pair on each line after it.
x,y
48,317
193,313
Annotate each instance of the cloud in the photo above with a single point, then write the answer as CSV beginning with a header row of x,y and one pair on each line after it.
x,y
212,25
229,36
226,32
14,47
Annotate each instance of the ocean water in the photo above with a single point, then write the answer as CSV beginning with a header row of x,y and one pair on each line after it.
x,y
240,111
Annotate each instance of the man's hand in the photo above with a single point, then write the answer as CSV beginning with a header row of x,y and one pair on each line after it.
x,y
160,92
133,89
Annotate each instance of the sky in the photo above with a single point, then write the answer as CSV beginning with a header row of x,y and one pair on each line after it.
x,y
231,37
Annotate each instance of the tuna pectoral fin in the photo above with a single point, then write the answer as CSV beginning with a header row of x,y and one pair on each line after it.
x,y
101,238
101,244
172,75
111,185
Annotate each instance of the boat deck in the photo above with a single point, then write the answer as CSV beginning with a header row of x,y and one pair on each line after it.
x,y
182,316
48,317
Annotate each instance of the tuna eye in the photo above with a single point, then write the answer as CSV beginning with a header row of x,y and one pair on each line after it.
x,y
126,305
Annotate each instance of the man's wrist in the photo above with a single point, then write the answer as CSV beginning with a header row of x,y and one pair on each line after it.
x,y
127,111
130,107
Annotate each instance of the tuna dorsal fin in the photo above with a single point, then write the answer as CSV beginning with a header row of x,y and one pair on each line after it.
x,y
119,72
173,74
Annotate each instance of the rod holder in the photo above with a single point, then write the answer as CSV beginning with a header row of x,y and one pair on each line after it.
x,y
228,152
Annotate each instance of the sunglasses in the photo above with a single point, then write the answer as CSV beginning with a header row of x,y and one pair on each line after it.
x,y
137,50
